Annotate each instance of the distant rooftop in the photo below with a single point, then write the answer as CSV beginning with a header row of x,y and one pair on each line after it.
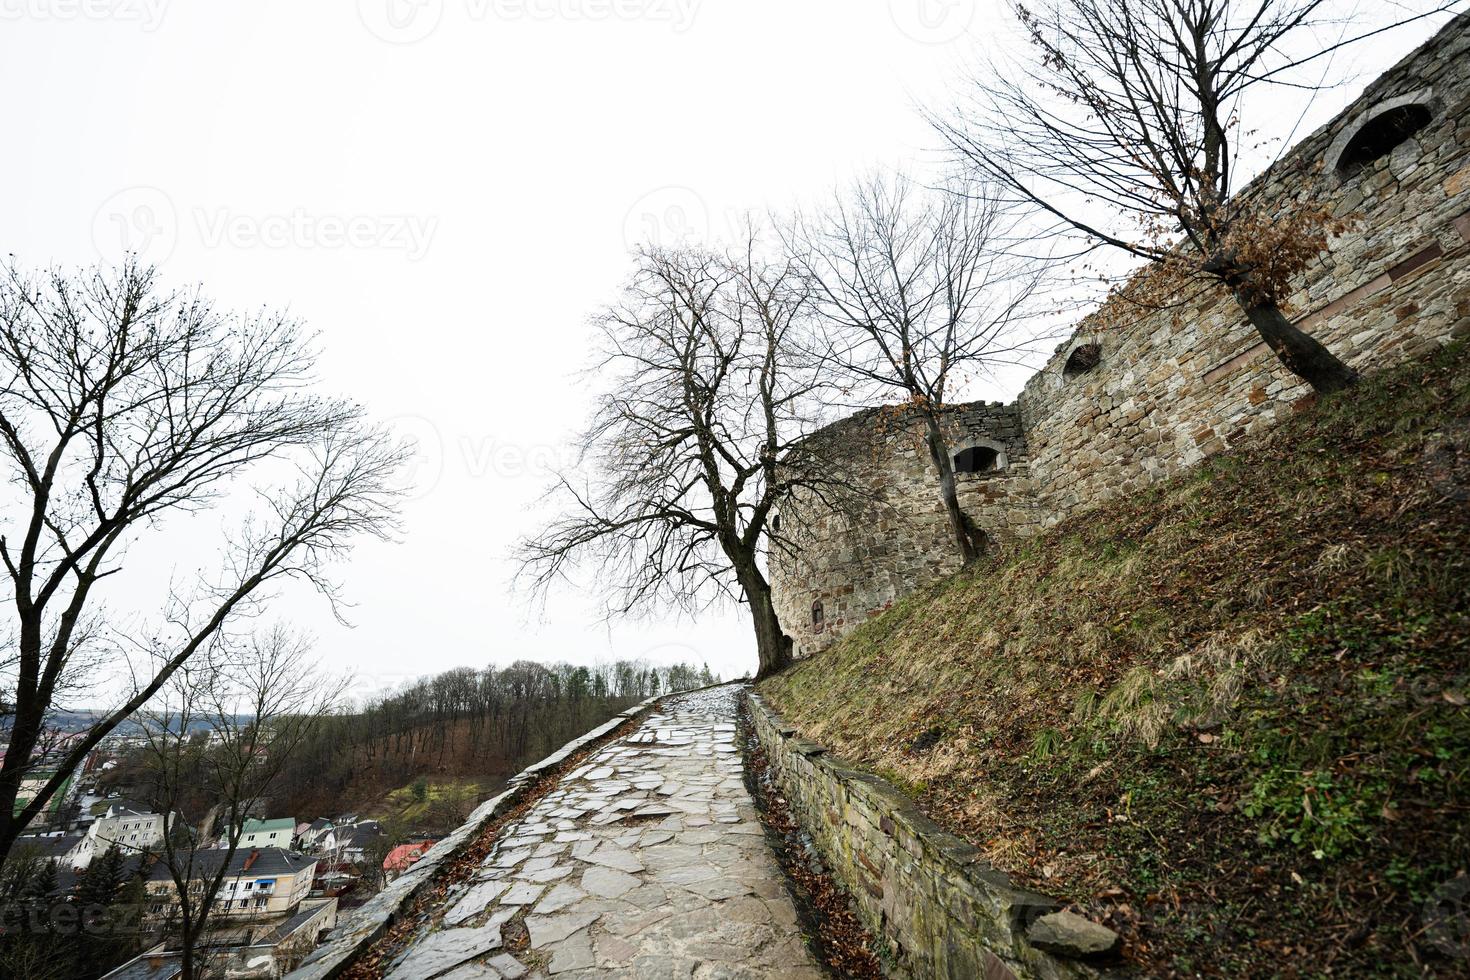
x,y
122,806
154,966
46,847
404,855
266,861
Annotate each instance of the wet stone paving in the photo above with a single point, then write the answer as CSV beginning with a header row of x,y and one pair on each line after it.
x,y
647,861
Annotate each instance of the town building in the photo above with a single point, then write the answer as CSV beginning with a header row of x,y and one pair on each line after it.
x,y
268,833
405,856
258,951
258,882
133,830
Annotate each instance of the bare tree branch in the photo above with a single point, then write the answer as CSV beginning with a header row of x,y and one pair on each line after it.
x,y
215,741
698,438
121,407
918,291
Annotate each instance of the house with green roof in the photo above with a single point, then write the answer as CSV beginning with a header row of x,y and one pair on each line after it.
x,y
268,833
33,783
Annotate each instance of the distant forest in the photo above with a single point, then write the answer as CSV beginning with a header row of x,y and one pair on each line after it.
x,y
476,724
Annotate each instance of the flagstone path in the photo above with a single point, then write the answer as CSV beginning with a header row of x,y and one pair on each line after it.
x,y
648,861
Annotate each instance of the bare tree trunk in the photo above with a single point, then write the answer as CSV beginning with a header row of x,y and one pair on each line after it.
x,y
187,965
1303,356
24,734
959,525
773,646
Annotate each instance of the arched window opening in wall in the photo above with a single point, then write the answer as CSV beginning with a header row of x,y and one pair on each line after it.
x,y
776,523
1083,359
1378,137
979,459
819,617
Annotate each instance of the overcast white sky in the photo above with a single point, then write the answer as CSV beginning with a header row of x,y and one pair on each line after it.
x,y
446,189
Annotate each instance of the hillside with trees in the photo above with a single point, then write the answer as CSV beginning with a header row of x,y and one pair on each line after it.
x,y
468,729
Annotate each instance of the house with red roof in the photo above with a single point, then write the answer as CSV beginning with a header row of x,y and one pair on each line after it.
x,y
404,856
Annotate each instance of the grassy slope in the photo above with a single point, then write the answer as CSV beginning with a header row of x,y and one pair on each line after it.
x,y
1226,714
445,804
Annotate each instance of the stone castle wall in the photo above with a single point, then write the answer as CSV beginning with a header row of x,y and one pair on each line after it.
x,y
1168,389
854,563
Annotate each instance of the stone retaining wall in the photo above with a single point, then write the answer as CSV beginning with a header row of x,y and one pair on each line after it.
x,y
935,903
358,929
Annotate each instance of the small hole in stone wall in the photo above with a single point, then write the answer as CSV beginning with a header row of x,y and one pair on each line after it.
x,y
1083,359
1379,135
980,459
776,523
818,616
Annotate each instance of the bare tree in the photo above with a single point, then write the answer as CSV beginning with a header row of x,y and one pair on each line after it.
x,y
918,293
122,407
225,727
698,437
1125,125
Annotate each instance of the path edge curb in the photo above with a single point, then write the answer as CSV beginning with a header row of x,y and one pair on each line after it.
x,y
359,928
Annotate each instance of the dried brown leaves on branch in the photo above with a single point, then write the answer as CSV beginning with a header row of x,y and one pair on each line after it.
x,y
1122,127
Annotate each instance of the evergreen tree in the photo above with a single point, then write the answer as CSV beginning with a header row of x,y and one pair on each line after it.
x,y
15,875
36,896
103,879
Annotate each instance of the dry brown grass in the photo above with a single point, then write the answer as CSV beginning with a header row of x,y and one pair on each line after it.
x,y
1113,696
